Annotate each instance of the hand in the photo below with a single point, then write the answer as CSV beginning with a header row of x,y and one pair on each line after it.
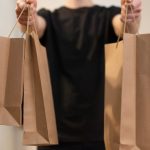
x,y
134,10
21,4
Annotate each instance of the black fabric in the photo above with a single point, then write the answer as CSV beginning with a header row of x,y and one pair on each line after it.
x,y
75,40
75,146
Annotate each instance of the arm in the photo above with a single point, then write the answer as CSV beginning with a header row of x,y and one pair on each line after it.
x,y
133,17
34,18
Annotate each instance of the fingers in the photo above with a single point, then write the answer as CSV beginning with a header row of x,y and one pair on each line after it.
x,y
25,21
134,10
28,14
137,4
131,9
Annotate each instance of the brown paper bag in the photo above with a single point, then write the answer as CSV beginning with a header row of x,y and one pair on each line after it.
x,y
113,87
11,80
131,129
135,125
39,115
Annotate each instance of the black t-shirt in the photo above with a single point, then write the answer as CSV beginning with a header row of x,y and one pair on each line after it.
x,y
75,40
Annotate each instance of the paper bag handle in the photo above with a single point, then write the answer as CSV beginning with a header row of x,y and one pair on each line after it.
x,y
17,21
33,27
134,20
125,23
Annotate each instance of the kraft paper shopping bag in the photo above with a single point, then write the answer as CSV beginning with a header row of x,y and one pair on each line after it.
x,y
39,115
113,89
11,80
127,96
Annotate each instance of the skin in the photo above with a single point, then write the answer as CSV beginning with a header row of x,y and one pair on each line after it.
x,y
133,17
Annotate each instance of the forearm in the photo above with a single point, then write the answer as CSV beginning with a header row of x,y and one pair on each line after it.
x,y
40,25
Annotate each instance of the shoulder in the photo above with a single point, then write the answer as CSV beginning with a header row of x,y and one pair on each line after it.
x,y
108,13
44,12
113,9
48,14
104,12
105,9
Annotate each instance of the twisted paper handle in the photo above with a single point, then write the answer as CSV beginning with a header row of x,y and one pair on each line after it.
x,y
17,21
125,23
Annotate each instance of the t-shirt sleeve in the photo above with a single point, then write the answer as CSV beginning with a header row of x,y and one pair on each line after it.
x,y
46,14
110,35
113,11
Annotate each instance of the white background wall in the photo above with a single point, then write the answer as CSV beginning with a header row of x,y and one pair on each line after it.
x,y
10,138
52,4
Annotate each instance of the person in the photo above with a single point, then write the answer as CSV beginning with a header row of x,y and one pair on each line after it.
x,y
74,36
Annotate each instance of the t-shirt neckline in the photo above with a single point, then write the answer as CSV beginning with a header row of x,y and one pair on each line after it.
x,y
79,8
